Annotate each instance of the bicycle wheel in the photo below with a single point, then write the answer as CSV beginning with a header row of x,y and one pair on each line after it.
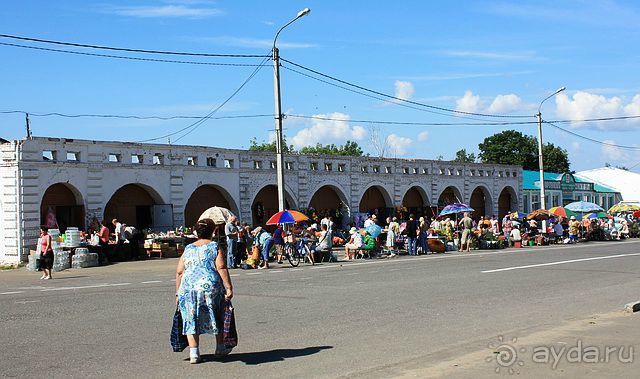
x,y
292,255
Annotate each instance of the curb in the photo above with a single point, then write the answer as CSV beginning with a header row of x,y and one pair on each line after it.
x,y
632,307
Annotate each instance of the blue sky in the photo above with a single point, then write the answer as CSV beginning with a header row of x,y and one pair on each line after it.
x,y
478,56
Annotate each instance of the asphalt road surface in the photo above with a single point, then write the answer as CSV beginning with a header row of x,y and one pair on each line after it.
x,y
368,318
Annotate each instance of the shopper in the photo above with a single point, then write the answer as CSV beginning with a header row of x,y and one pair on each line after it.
x,y
412,231
466,223
103,241
46,253
202,283
231,232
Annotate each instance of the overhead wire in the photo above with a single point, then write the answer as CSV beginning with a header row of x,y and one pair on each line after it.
x,y
135,117
625,147
195,125
401,99
128,58
378,97
130,50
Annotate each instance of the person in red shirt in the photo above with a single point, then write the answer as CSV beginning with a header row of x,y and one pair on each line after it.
x,y
103,234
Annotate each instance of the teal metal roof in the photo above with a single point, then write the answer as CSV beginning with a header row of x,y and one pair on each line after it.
x,y
531,181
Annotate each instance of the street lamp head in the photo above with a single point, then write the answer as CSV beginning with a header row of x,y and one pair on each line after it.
x,y
304,12
560,90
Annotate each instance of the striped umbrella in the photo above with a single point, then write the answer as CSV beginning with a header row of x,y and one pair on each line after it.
x,y
287,217
562,212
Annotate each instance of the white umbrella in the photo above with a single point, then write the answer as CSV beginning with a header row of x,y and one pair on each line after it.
x,y
219,215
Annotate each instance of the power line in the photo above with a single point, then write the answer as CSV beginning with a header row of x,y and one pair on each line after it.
x,y
379,97
162,118
131,50
195,125
124,57
400,99
502,123
626,147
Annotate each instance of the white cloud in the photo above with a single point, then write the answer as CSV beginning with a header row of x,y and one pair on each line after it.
x,y
505,104
423,136
328,131
254,42
612,153
398,145
492,55
585,105
186,11
575,146
404,90
468,103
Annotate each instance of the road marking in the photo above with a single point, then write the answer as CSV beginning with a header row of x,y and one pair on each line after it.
x,y
11,292
253,273
234,275
27,301
560,262
151,281
305,278
352,273
85,287
275,270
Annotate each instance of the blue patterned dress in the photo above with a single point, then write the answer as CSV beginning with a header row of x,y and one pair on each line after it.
x,y
201,290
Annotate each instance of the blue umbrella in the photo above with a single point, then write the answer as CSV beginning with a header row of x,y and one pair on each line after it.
x,y
455,208
374,230
583,207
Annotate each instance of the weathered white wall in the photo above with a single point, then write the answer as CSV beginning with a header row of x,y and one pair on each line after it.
x,y
95,180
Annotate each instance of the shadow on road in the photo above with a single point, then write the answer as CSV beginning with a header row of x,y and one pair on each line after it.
x,y
260,357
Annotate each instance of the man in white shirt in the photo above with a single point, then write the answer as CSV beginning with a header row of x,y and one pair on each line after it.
x,y
515,236
370,221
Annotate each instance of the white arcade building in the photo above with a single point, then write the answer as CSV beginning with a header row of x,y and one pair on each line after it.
x,y
164,186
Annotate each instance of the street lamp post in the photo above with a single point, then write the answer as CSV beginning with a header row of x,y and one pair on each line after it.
x,y
278,113
543,202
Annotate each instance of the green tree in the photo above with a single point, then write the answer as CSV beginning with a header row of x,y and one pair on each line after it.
x,y
463,157
350,148
268,146
514,148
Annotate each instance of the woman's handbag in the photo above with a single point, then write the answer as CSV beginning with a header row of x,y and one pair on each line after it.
x,y
229,332
178,340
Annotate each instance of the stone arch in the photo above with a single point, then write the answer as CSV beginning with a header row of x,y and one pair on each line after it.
x,y
328,196
205,197
265,203
133,204
449,195
480,200
375,197
507,201
62,206
415,197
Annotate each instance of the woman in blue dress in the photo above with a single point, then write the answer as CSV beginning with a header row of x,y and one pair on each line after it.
x,y
202,283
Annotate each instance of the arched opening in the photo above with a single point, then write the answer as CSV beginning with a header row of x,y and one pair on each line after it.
x,y
507,202
132,204
61,207
328,201
265,204
481,201
416,202
376,200
450,195
203,198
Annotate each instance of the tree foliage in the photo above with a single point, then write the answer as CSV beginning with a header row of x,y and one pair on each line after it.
x,y
350,148
268,146
463,157
514,148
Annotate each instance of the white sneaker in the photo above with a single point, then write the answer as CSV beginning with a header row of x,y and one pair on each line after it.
x,y
43,276
47,277
194,360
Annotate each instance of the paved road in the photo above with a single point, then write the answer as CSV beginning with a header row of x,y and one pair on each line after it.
x,y
357,319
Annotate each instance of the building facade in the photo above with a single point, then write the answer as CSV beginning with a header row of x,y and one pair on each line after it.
x,y
163,186
562,189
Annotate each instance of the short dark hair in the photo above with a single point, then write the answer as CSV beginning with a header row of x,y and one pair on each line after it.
x,y
204,228
44,228
412,216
